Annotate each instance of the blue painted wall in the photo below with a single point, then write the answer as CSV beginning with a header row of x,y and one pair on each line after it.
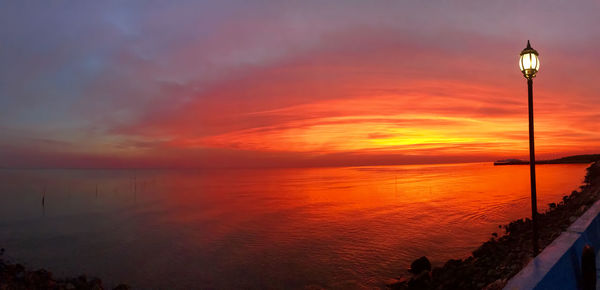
x,y
559,265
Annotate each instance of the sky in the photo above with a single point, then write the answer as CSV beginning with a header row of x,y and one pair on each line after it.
x,y
136,84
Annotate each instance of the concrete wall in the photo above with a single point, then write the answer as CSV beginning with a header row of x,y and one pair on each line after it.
x,y
558,266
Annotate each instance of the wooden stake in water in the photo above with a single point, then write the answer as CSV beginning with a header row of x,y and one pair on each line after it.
x,y
44,197
44,202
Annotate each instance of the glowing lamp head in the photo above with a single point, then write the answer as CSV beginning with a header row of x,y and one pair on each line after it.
x,y
529,62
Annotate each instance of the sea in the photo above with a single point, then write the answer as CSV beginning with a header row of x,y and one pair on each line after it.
x,y
338,227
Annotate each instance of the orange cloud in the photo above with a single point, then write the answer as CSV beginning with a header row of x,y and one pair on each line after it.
x,y
259,90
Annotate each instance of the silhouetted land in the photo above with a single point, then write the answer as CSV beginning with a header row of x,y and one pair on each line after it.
x,y
588,158
504,255
16,277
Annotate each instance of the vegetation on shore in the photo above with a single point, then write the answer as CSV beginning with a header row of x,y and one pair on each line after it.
x,y
16,277
588,158
501,257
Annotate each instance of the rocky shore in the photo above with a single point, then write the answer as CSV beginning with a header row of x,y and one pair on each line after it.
x,y
17,277
505,254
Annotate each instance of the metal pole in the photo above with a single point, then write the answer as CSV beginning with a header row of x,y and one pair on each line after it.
x,y
532,169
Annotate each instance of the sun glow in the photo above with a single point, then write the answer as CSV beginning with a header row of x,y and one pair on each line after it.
x,y
386,132
267,86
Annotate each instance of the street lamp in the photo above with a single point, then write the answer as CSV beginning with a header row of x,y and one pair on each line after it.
x,y
529,63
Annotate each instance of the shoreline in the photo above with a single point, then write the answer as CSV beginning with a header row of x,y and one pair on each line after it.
x,y
501,257
16,276
575,159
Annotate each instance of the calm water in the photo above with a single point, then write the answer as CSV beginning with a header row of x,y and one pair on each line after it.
x,y
332,227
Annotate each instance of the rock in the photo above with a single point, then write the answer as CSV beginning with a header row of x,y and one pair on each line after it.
x,y
452,263
43,274
419,265
419,282
20,275
96,284
572,219
16,276
19,268
400,283
496,285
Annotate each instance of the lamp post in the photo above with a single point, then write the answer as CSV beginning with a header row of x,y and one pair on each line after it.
x,y
529,64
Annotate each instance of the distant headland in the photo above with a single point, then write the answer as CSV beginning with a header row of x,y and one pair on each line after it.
x,y
588,158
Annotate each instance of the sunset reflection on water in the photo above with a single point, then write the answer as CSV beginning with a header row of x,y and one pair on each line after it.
x,y
331,227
